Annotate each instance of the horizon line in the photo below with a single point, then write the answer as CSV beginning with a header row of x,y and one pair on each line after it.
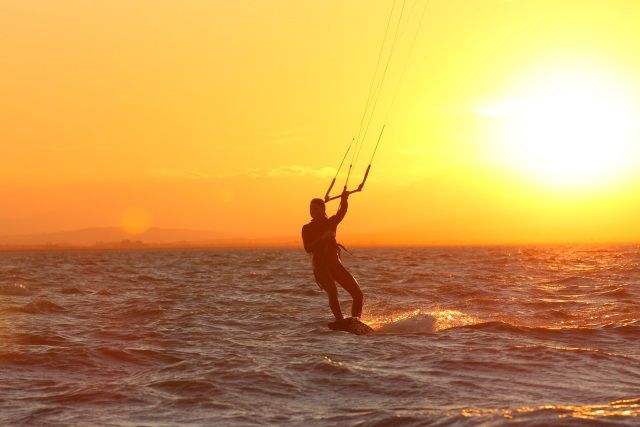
x,y
133,245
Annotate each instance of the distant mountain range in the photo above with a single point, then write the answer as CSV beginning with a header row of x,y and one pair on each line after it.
x,y
105,236
115,238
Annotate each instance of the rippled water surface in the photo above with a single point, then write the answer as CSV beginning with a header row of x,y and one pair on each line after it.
x,y
464,336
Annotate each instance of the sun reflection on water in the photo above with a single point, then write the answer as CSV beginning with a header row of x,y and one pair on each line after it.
x,y
619,408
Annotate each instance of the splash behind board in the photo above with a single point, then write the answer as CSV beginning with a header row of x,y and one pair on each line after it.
x,y
350,324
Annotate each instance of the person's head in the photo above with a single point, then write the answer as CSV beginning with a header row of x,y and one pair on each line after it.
x,y
317,209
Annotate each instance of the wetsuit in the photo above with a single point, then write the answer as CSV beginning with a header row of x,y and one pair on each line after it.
x,y
327,267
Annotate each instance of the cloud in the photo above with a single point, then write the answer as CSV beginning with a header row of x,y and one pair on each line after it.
x,y
292,170
275,172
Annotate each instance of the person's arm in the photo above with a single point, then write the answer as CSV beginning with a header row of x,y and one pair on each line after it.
x,y
344,205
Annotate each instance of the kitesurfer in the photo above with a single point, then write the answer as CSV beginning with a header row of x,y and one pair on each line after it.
x,y
319,238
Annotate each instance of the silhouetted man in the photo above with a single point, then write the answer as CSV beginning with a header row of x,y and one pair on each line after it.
x,y
319,238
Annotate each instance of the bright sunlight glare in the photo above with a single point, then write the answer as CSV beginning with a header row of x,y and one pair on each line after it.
x,y
568,131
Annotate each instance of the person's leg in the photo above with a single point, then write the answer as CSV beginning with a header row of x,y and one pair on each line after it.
x,y
350,284
332,292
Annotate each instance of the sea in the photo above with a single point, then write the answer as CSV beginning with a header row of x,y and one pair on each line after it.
x,y
464,336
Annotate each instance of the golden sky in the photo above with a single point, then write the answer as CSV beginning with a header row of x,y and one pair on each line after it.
x,y
515,121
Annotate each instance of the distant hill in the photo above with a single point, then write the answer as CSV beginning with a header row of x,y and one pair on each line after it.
x,y
107,235
115,237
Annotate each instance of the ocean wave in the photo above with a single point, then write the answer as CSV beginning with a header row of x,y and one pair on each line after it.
x,y
38,306
632,329
111,334
396,289
144,278
115,354
64,358
102,394
381,418
191,388
417,324
418,321
15,289
615,292
38,339
263,382
543,351
620,412
143,310
155,356
570,280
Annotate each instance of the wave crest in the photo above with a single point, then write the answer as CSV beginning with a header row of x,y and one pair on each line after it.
x,y
38,306
420,322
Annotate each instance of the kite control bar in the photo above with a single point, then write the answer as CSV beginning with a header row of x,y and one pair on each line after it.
x,y
328,198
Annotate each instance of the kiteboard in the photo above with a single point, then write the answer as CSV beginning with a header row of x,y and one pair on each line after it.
x,y
351,324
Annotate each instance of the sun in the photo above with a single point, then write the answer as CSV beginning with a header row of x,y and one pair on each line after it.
x,y
569,130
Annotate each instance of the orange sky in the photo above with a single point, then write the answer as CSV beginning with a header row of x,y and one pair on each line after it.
x,y
516,121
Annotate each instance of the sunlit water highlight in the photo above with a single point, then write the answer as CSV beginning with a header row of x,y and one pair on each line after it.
x,y
464,336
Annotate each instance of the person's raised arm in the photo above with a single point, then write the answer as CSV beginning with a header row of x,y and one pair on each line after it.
x,y
344,205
